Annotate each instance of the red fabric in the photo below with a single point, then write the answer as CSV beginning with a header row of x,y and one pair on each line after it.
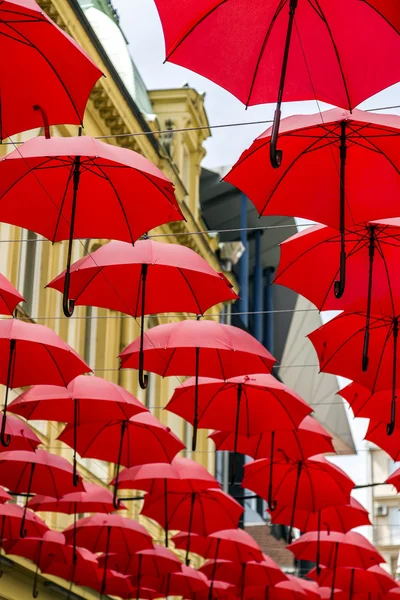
x,y
253,574
40,356
225,351
368,405
321,483
126,536
377,434
10,522
9,296
44,67
98,400
145,441
394,479
52,474
341,518
373,580
339,345
94,499
298,444
178,279
84,573
116,585
213,510
22,436
311,589
121,194
156,562
220,591
241,50
317,250
233,544
182,474
308,183
185,583
266,403
288,590
354,550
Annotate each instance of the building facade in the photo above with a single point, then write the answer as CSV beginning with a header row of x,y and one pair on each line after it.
x,y
119,106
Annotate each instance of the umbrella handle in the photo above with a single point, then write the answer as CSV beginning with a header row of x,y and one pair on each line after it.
x,y
365,358
196,401
22,531
166,511
69,305
390,426
296,491
75,476
274,153
272,505
143,378
340,285
239,397
45,120
5,440
187,559
117,501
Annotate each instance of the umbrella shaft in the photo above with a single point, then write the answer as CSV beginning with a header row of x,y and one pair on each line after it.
x,y
193,499
271,502
239,398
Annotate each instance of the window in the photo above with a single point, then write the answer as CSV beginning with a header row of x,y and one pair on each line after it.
x,y
394,525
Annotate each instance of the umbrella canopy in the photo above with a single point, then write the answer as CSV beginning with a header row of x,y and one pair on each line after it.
x,y
291,589
115,584
156,562
137,441
340,549
394,479
374,580
31,354
11,516
200,348
184,583
342,518
312,484
377,434
340,344
248,574
94,499
202,512
47,73
83,572
220,591
88,193
9,296
20,434
308,439
177,279
248,64
235,545
368,405
84,400
110,534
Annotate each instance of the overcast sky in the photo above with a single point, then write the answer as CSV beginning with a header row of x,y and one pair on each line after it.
x,y
141,25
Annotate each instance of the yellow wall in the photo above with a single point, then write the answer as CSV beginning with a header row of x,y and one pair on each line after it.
x,y
109,114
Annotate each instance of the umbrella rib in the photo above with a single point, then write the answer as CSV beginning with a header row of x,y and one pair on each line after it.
x,y
283,406
70,175
263,47
65,383
168,362
383,257
17,181
221,364
117,196
381,15
322,15
187,34
51,67
209,403
313,500
389,333
380,151
191,290
98,270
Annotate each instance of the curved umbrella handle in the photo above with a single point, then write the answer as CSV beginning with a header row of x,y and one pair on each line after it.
x,y
143,379
339,285
390,426
45,120
5,439
75,476
117,501
68,305
275,155
272,505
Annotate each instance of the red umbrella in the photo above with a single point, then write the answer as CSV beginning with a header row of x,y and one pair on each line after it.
x,y
248,574
111,534
84,400
220,591
308,439
155,562
88,192
202,512
184,583
368,405
287,590
182,475
342,518
311,588
114,584
312,484
20,435
339,345
83,572
373,254
9,296
342,151
42,551
235,545
394,479
162,278
200,348
11,516
309,46
36,472
31,354
246,405
47,72
4,496
94,499
136,441
356,581
377,434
